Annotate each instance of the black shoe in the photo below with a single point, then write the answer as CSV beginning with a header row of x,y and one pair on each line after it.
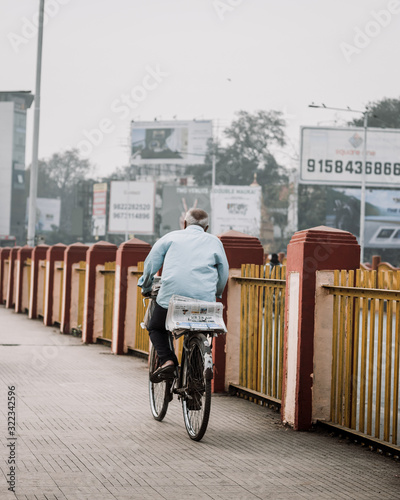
x,y
163,373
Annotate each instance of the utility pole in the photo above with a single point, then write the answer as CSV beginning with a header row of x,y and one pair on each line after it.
x,y
363,179
35,152
363,175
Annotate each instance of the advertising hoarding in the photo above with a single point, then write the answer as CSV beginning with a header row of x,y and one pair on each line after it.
x,y
131,207
48,212
236,207
98,225
177,200
335,156
170,142
99,198
382,214
99,209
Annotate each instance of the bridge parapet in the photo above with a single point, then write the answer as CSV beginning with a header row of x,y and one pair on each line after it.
x,y
23,278
38,281
73,287
309,251
96,296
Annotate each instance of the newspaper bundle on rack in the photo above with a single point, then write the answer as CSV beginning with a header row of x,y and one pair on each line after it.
x,y
185,313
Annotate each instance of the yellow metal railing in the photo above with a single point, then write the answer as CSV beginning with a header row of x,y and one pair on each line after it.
x,y
142,335
28,265
108,304
45,271
6,271
365,352
261,329
61,270
81,292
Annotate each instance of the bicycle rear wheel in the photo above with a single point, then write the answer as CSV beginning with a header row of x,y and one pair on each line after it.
x,y
197,402
159,393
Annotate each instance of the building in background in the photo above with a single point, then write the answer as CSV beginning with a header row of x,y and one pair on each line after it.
x,y
13,108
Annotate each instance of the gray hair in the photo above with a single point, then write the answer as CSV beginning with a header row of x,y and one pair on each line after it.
x,y
196,217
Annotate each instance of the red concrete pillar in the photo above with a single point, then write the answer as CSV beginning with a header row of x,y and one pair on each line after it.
x,y
240,249
128,255
55,254
4,255
38,254
73,255
316,249
11,286
23,254
98,254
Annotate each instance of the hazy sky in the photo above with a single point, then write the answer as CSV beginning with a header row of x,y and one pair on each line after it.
x,y
195,59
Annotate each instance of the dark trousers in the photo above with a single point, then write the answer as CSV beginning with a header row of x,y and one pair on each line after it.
x,y
159,335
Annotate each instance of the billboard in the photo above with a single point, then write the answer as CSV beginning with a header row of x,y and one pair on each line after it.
x,y
131,207
382,214
99,198
99,209
177,200
236,207
170,142
335,156
48,212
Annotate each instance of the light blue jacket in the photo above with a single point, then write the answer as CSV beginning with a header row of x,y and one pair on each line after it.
x,y
194,265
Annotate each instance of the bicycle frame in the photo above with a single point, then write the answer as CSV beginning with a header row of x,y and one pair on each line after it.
x,y
177,383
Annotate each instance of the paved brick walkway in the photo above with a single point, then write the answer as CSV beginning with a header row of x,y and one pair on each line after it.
x,y
85,432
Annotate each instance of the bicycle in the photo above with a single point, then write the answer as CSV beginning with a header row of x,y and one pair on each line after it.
x,y
191,382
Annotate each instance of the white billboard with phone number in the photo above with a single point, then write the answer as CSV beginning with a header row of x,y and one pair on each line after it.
x,y
131,207
336,156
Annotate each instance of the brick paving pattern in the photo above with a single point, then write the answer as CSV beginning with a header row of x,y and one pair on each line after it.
x,y
85,432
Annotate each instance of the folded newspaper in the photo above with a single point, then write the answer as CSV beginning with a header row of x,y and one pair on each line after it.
x,y
185,314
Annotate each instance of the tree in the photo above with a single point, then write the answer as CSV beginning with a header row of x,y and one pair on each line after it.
x,y
312,206
382,114
64,170
64,176
248,151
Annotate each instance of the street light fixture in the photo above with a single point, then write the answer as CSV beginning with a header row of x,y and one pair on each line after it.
x,y
363,179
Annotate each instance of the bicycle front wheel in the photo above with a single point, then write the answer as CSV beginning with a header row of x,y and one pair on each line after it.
x,y
197,402
159,393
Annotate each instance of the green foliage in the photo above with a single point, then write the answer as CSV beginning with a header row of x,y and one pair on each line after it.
x,y
248,151
312,206
64,170
247,157
382,114
64,176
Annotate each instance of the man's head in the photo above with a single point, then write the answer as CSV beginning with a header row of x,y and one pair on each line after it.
x,y
196,217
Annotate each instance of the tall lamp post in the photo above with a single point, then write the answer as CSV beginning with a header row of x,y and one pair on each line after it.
x,y
35,152
363,178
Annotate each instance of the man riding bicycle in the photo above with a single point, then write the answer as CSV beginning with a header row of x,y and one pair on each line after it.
x,y
194,265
